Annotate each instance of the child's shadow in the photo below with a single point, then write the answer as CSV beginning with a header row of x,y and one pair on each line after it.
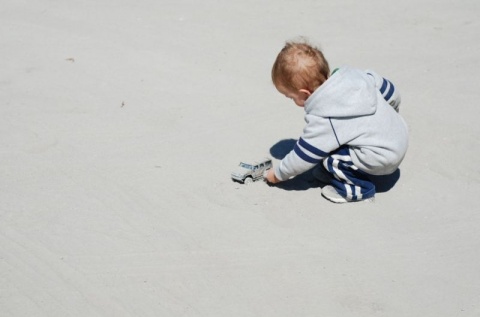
x,y
306,180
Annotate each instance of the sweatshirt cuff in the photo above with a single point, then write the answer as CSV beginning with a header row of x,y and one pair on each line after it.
x,y
279,174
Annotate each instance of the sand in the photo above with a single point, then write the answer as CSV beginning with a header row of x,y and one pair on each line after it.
x,y
120,122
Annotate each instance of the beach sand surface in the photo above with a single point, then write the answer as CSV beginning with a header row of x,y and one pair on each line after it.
x,y
120,122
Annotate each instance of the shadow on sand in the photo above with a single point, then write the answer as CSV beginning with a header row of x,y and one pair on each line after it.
x,y
306,180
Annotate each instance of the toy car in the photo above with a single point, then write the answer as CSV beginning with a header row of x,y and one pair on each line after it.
x,y
249,171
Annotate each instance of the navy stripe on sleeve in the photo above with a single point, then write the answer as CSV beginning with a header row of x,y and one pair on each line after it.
x,y
311,148
390,91
384,86
304,156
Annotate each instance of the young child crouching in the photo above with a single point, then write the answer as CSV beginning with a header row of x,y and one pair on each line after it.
x,y
352,124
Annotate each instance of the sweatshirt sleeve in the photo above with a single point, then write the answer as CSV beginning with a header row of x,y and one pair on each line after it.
x,y
316,142
388,90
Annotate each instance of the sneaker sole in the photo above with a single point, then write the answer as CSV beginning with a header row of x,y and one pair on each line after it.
x,y
332,195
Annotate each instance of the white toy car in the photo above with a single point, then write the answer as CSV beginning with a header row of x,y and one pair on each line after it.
x,y
249,171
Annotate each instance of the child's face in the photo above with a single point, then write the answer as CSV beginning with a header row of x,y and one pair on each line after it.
x,y
298,97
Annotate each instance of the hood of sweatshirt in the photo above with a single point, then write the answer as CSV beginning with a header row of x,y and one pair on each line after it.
x,y
348,92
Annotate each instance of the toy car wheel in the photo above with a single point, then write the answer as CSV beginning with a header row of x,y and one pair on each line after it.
x,y
248,181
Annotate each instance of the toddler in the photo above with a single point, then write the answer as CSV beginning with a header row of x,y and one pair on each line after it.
x,y
352,130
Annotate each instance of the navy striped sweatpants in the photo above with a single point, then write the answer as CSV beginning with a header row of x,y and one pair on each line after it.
x,y
348,180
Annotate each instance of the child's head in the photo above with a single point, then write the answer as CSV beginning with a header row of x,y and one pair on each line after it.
x,y
298,70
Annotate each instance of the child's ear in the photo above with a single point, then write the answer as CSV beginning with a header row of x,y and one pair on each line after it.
x,y
305,91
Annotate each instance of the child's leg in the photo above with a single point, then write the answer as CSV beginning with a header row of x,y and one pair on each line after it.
x,y
350,182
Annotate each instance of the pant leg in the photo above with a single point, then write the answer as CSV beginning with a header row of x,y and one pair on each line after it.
x,y
348,180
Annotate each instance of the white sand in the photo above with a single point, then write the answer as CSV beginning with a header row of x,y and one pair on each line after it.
x,y
120,122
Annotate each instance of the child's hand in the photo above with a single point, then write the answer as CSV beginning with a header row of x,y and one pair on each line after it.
x,y
270,177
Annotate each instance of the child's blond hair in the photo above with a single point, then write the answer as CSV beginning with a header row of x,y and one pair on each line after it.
x,y
299,65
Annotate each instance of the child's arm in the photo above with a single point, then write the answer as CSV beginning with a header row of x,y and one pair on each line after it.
x,y
389,92
317,141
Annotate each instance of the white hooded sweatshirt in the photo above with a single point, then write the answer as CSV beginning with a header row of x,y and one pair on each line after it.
x,y
349,110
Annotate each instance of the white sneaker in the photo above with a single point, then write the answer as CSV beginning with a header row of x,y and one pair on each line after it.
x,y
330,193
